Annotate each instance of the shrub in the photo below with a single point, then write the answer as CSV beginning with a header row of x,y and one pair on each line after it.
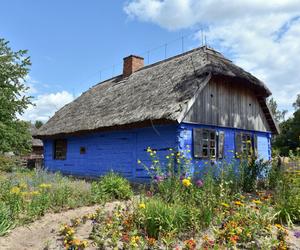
x,y
158,217
111,186
5,219
7,164
287,198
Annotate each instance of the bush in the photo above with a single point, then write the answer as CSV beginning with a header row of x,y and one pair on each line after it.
x,y
159,217
287,198
111,186
5,219
7,164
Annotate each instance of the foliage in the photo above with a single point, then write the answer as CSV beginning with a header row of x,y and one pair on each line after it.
x,y
244,221
38,124
112,186
29,195
159,217
252,170
14,67
5,220
8,164
287,197
277,114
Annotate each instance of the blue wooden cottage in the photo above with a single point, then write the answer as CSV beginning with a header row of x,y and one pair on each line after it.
x,y
198,99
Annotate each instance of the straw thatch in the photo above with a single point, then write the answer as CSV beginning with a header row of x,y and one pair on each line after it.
x,y
159,91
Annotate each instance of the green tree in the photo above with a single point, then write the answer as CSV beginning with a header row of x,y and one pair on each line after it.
x,y
38,124
277,114
296,104
289,138
14,67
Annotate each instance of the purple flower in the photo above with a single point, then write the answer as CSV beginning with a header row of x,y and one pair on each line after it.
x,y
159,178
199,183
182,177
297,234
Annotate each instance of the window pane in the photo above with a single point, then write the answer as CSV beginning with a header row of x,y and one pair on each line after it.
x,y
60,149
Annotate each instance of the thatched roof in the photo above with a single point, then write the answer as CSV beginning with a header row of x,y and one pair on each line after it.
x,y
35,142
159,91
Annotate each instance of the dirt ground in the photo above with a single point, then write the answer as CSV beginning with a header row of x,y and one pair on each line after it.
x,y
43,234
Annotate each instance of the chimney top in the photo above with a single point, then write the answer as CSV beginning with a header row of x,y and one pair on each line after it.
x,y
131,64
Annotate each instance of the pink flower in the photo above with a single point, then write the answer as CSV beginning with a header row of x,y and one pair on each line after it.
x,y
159,178
199,183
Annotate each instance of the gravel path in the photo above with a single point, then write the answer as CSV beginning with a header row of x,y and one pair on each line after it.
x,y
43,233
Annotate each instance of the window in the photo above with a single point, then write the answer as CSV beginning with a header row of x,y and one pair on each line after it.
x,y
208,143
82,150
245,144
60,149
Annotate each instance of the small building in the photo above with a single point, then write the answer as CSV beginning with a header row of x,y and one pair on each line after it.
x,y
198,100
35,158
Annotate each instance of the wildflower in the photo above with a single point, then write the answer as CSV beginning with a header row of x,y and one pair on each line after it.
x,y
190,244
15,190
297,234
199,183
142,206
134,241
149,194
238,203
167,157
257,201
125,237
76,242
186,182
234,239
224,204
279,226
151,241
35,193
139,161
159,178
84,243
45,185
149,150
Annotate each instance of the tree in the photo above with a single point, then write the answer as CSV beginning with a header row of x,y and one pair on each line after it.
x,y
277,114
296,104
38,124
14,67
289,138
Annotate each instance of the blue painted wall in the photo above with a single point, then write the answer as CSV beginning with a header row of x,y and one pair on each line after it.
x,y
118,151
185,144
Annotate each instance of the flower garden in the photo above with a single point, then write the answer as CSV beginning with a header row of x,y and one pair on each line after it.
x,y
224,206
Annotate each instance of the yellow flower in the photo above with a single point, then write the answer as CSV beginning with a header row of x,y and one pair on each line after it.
x,y
139,162
257,201
238,203
84,243
186,182
142,205
45,185
15,190
35,193
224,204
76,242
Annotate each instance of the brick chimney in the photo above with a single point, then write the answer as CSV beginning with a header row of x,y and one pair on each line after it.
x,y
131,64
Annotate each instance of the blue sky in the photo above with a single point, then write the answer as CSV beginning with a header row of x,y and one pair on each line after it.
x,y
71,41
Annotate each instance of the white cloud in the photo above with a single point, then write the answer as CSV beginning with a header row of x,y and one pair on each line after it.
x,y
46,105
260,36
